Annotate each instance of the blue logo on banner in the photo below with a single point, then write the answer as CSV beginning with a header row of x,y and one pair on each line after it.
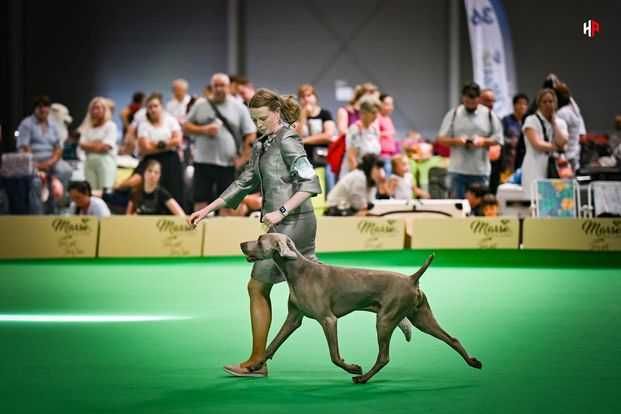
x,y
485,16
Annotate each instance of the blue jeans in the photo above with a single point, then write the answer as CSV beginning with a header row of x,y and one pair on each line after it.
x,y
330,180
459,183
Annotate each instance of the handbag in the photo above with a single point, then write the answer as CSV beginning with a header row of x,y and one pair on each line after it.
x,y
319,156
336,153
558,166
227,125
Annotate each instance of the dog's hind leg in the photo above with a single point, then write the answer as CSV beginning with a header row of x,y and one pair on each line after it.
x,y
385,327
424,320
329,328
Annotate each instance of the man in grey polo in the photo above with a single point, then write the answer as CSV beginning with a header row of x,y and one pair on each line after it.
x,y
219,136
469,130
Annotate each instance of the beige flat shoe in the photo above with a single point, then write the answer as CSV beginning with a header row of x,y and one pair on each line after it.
x,y
238,371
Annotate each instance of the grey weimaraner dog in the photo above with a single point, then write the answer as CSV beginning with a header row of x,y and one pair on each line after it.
x,y
325,293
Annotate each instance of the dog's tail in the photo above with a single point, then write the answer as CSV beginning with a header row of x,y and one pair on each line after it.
x,y
414,278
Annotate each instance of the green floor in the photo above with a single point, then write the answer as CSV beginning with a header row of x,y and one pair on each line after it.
x,y
546,331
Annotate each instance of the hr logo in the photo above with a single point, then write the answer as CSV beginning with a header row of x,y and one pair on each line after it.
x,y
590,28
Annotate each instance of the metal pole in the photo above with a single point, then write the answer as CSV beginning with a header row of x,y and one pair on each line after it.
x,y
232,20
453,58
15,66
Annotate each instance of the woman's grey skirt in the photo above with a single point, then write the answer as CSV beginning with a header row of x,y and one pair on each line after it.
x,y
301,228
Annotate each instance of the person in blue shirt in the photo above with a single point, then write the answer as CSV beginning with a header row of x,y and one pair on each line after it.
x,y
41,138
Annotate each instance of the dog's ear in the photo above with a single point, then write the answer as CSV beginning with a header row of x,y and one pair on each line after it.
x,y
285,251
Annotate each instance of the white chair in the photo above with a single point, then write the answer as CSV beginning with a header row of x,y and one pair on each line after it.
x,y
604,197
513,200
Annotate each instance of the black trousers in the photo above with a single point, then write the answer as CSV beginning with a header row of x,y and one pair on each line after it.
x,y
210,181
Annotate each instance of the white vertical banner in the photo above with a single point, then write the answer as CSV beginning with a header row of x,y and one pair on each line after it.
x,y
492,51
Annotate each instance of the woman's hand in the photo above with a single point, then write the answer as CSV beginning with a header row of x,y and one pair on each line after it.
x,y
460,141
273,218
197,216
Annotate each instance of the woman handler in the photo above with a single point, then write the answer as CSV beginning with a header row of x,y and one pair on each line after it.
x,y
281,171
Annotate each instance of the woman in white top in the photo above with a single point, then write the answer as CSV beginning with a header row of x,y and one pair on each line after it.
x,y
355,191
545,133
84,203
98,135
159,137
362,137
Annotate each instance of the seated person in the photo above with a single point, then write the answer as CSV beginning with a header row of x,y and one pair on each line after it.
x,y
422,160
353,193
39,136
489,206
151,199
84,203
401,183
474,195
250,204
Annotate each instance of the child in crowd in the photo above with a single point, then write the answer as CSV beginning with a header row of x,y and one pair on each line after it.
x,y
401,183
474,195
489,206
152,199
422,160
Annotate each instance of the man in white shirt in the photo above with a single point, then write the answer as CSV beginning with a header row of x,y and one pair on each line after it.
x,y
178,105
470,129
575,124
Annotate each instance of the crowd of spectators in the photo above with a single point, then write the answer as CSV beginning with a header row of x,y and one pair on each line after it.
x,y
185,151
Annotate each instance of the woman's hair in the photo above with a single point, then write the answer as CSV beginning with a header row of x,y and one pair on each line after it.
x,y
305,88
546,91
153,96
383,96
151,163
370,104
286,105
478,189
366,165
394,161
563,94
88,121
489,200
138,97
82,187
361,90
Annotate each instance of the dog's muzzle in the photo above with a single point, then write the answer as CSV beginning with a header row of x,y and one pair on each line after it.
x,y
247,248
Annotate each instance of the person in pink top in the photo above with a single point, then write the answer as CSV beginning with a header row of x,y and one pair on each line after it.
x,y
350,113
387,130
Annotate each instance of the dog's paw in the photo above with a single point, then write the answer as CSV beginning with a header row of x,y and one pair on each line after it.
x,y
475,363
361,379
354,369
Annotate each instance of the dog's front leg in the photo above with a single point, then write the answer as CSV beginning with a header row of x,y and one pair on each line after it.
x,y
329,328
293,322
